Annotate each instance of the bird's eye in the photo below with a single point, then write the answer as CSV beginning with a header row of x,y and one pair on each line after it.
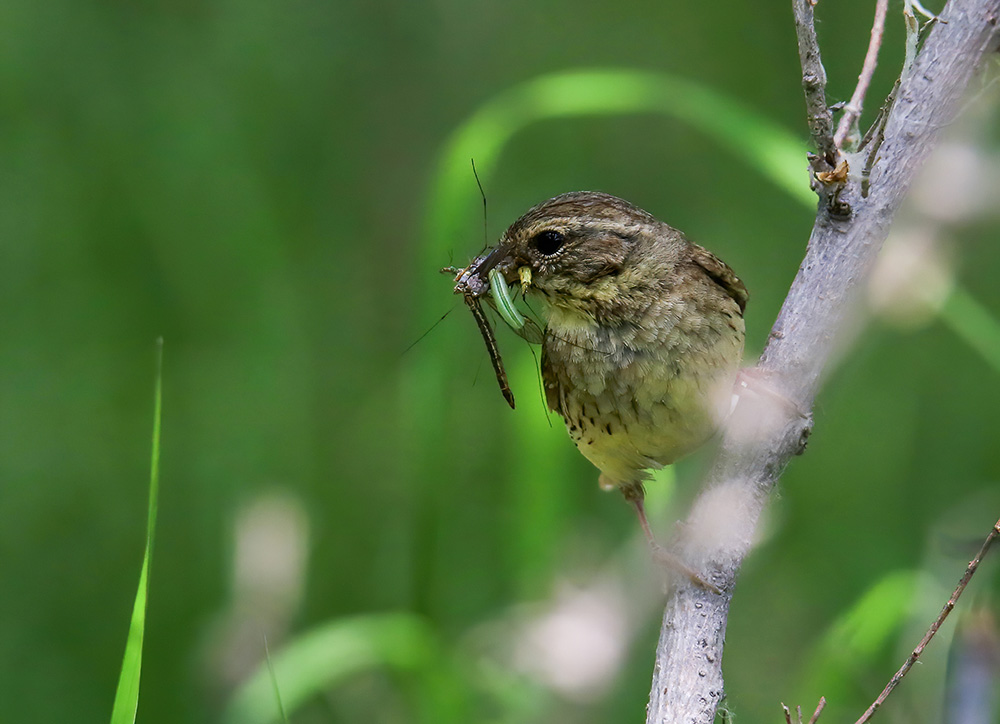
x,y
548,242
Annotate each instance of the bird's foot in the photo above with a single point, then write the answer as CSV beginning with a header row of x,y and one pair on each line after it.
x,y
672,561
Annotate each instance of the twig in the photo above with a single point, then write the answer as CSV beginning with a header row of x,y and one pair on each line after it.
x,y
819,710
798,711
912,659
852,111
924,11
875,136
818,114
912,37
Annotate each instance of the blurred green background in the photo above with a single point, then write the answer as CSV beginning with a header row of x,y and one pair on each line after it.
x,y
269,187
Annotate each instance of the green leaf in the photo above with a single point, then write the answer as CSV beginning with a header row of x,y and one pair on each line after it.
x,y
855,640
973,324
326,656
774,152
274,684
127,696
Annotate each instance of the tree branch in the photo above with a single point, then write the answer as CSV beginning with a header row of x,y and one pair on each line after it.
x,y
769,424
818,114
852,111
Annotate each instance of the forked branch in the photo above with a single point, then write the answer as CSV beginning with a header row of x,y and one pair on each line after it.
x,y
771,420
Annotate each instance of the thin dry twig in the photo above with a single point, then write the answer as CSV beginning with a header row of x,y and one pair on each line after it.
x,y
818,114
819,710
852,111
912,37
923,11
798,710
912,659
875,136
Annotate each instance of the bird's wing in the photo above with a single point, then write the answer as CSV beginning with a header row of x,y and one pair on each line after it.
x,y
720,273
552,383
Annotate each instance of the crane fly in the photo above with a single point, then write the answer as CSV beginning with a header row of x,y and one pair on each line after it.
x,y
491,347
481,280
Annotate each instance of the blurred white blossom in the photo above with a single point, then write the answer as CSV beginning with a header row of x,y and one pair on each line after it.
x,y
576,643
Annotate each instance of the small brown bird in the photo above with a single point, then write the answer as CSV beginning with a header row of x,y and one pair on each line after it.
x,y
644,332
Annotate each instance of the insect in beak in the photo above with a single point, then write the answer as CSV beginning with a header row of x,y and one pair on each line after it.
x,y
524,274
522,326
491,347
482,279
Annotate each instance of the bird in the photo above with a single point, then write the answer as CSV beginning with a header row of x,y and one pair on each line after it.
x,y
643,336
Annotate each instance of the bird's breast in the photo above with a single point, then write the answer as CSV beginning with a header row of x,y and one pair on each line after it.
x,y
633,399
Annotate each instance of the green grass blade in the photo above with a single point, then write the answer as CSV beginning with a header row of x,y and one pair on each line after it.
x,y
774,152
127,696
855,640
274,684
973,323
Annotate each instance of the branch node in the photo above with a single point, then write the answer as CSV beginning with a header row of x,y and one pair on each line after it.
x,y
804,435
